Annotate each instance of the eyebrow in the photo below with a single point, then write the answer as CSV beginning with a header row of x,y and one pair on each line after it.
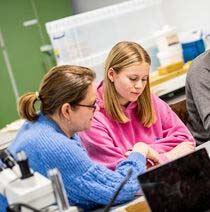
x,y
136,75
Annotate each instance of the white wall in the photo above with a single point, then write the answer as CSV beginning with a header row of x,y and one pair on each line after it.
x,y
184,14
187,14
80,6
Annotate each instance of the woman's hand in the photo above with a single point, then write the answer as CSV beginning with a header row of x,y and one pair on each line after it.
x,y
147,151
181,149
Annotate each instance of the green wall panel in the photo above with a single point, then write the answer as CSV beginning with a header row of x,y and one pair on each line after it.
x,y
23,47
8,101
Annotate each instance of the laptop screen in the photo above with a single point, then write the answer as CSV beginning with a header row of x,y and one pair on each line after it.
x,y
180,185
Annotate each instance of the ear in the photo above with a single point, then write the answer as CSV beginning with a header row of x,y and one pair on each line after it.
x,y
111,74
66,110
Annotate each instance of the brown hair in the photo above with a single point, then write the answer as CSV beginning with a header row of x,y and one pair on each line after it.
x,y
122,55
66,83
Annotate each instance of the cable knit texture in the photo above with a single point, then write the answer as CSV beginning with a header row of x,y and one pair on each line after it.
x,y
88,184
108,140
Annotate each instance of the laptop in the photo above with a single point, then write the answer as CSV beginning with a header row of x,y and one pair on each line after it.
x,y
180,185
205,145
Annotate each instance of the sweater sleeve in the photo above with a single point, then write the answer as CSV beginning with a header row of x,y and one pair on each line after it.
x,y
89,184
100,146
101,183
174,130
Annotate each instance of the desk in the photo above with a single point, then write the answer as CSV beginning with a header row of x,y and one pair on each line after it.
x,y
8,133
136,205
6,138
168,85
175,96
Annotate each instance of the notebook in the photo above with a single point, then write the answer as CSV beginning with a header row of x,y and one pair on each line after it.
x,y
180,185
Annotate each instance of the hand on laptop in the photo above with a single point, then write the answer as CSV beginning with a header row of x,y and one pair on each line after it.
x,y
147,151
181,149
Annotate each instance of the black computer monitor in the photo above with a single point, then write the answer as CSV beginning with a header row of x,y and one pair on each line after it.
x,y
180,185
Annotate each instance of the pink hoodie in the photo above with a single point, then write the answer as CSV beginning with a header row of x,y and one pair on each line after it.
x,y
107,141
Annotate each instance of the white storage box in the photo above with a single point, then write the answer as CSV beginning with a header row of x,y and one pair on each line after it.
x,y
171,55
166,38
85,39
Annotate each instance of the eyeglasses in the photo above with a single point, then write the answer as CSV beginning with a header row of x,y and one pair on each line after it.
x,y
94,105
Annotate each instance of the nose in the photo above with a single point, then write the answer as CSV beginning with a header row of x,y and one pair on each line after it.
x,y
138,84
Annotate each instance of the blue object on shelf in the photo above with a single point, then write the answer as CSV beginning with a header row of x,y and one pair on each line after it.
x,y
193,49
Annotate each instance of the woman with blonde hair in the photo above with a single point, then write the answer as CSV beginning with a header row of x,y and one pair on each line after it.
x,y
129,113
67,98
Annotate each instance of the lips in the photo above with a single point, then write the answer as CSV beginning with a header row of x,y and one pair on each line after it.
x,y
135,93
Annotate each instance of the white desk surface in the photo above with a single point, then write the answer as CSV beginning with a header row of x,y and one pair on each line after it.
x,y
169,85
8,133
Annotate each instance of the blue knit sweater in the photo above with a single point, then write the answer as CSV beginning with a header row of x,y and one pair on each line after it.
x,y
87,184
